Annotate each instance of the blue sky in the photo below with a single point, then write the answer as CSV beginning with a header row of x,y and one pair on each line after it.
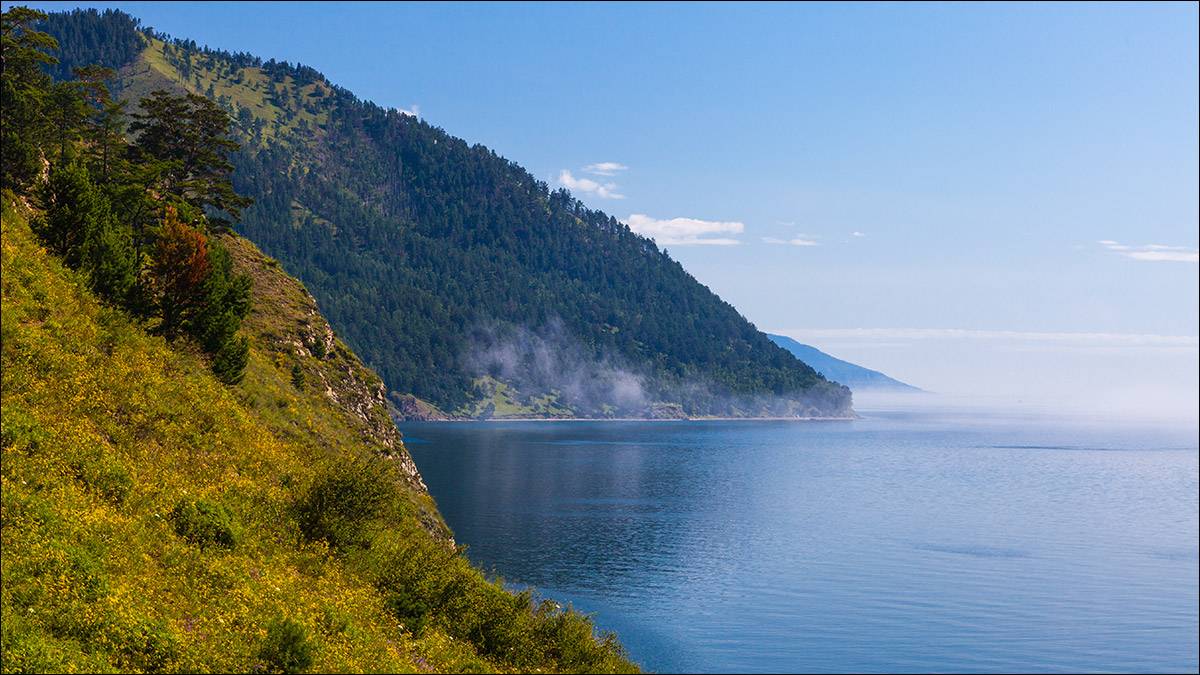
x,y
945,176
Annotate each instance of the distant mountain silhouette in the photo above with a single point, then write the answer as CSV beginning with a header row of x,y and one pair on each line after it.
x,y
843,372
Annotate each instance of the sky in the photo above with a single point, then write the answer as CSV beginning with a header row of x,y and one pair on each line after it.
x,y
997,198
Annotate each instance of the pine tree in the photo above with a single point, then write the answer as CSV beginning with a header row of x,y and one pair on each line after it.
x,y
73,210
229,364
68,113
190,134
23,93
79,225
109,258
225,302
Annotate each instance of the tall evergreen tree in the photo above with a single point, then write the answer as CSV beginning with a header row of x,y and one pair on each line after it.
x,y
200,295
190,134
78,224
23,92
67,113
73,210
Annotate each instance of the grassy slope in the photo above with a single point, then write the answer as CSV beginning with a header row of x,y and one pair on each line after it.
x,y
247,88
507,403
106,429
340,403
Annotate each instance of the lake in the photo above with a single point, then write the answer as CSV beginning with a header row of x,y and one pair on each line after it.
x,y
903,541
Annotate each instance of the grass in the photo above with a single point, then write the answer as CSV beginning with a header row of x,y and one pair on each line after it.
x,y
250,88
505,402
153,519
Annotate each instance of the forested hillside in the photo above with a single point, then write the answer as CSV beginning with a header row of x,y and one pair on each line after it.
x,y
456,274
198,475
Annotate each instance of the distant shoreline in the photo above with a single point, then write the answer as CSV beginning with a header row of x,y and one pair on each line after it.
x,y
642,419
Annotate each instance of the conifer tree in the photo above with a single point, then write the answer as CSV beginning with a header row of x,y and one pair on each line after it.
x,y
229,364
23,92
79,225
200,295
226,301
73,211
190,134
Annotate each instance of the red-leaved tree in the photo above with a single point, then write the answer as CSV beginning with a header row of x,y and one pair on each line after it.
x,y
181,266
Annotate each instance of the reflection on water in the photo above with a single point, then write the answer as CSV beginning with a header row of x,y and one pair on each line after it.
x,y
902,541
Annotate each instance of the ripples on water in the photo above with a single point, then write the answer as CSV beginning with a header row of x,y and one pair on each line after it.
x,y
899,542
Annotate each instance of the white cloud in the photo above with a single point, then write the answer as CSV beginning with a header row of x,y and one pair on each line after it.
x,y
1167,256
856,233
1153,252
685,231
414,111
589,186
795,241
604,168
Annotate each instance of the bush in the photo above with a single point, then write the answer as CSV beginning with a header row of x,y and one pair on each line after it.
x,y
149,646
105,475
287,648
344,500
426,584
229,364
317,347
204,523
409,607
19,429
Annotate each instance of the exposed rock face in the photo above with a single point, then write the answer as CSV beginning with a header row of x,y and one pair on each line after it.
x,y
665,411
409,407
286,322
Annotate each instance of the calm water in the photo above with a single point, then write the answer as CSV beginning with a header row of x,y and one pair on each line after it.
x,y
908,542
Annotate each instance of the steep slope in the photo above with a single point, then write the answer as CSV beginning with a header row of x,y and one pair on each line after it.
x,y
458,276
854,376
153,519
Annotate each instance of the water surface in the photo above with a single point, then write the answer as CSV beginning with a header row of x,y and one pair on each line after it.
x,y
898,542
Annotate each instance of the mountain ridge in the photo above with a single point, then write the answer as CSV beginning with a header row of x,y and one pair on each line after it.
x,y
857,377
432,256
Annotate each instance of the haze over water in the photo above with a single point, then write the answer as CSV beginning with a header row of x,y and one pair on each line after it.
x,y
904,541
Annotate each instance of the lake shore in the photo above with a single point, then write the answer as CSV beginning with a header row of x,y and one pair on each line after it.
x,y
644,419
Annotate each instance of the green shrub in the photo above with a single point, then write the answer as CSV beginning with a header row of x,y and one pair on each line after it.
x,y
409,607
426,584
105,475
317,347
204,523
149,646
27,648
18,428
344,500
287,648
229,363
